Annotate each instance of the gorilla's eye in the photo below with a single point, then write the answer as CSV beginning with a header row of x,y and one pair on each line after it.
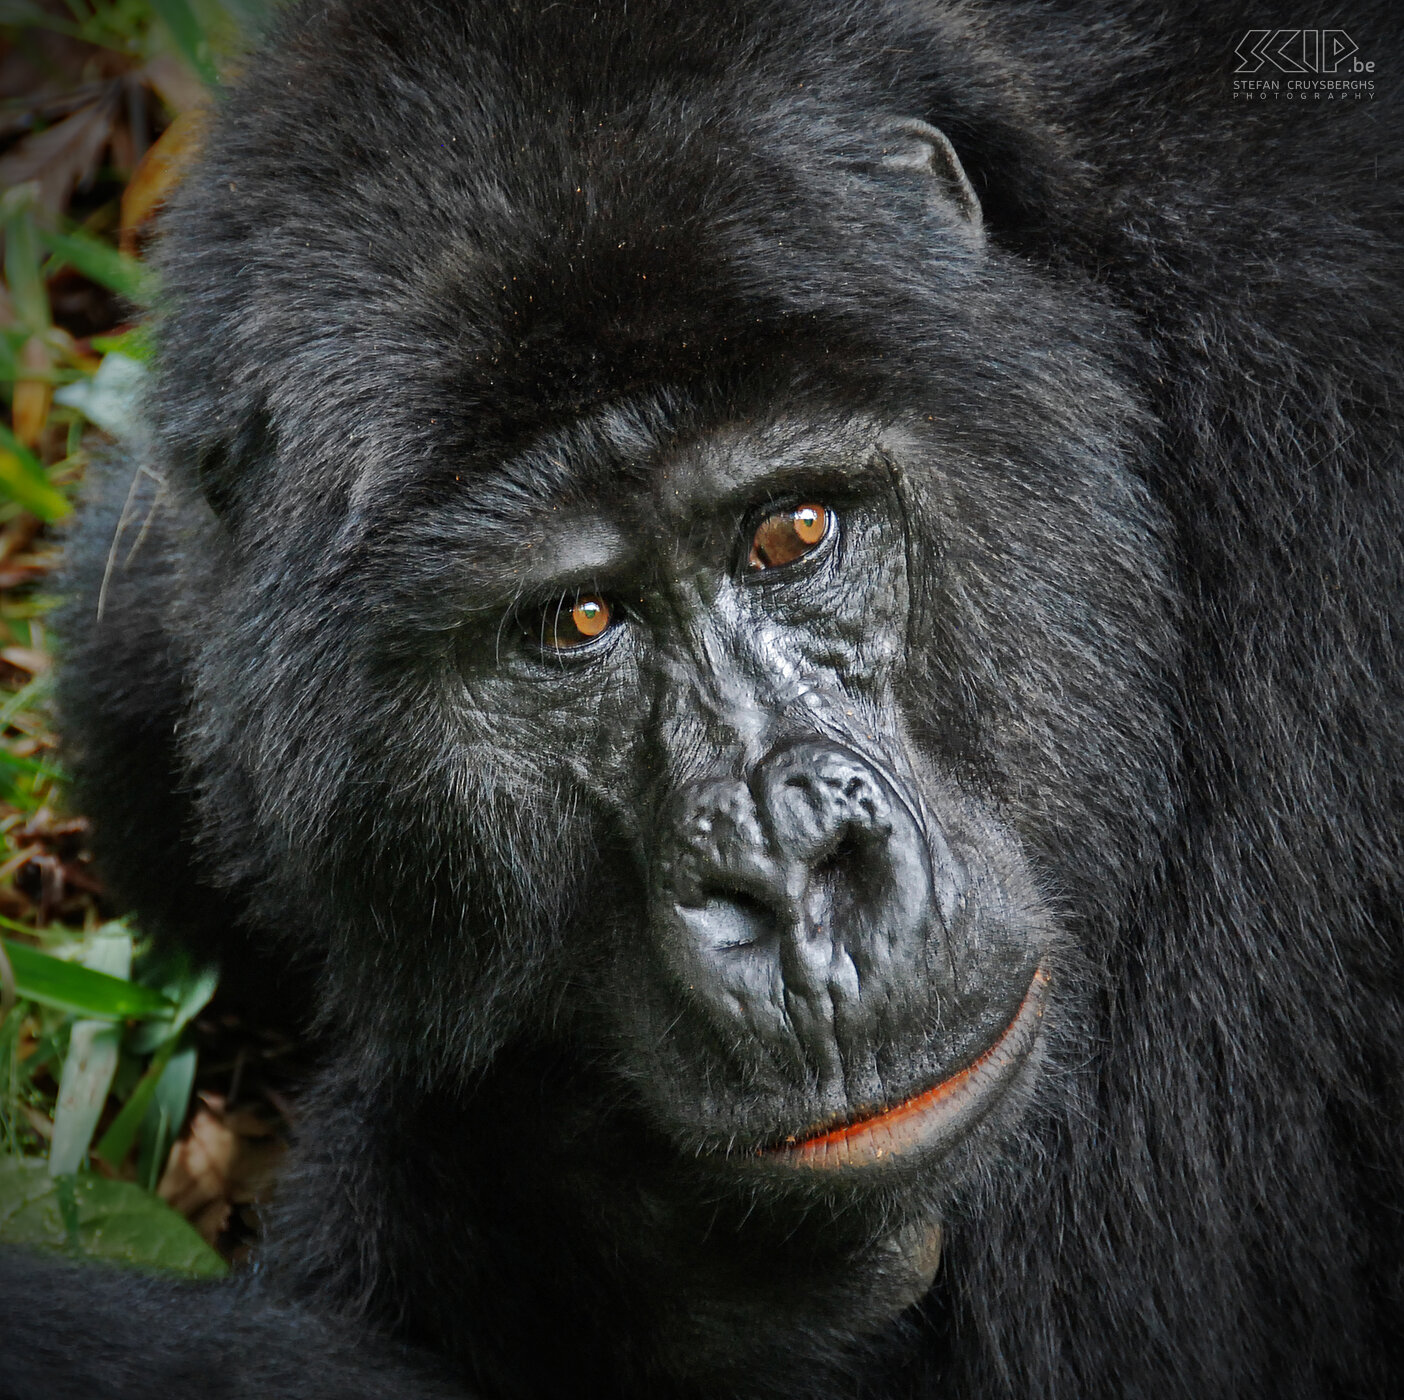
x,y
787,535
572,621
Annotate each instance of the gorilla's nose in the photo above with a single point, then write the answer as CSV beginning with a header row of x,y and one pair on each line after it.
x,y
812,879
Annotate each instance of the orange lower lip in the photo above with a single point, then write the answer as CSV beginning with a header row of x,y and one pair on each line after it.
x,y
936,1115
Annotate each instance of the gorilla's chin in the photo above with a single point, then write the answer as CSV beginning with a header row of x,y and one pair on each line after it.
x,y
929,1123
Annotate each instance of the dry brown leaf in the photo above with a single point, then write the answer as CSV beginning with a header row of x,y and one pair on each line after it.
x,y
197,1171
49,74
46,825
40,1122
67,349
223,1160
8,867
212,1220
34,390
67,153
159,171
25,659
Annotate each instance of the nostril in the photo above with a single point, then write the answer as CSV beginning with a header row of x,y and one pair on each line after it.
x,y
838,881
842,863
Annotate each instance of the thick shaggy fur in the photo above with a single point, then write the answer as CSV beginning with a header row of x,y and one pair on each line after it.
x,y
1158,565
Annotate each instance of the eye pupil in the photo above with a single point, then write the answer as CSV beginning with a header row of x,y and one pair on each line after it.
x,y
787,535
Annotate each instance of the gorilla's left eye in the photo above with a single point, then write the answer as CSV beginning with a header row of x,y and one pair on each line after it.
x,y
571,621
787,536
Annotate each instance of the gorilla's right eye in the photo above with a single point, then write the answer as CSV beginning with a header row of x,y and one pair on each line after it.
x,y
571,621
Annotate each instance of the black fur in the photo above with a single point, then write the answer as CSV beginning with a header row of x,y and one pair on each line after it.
x,y
441,260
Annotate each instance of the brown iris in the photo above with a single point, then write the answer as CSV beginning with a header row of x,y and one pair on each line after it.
x,y
575,623
786,536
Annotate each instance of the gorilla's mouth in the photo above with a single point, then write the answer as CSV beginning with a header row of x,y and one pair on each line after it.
x,y
936,1117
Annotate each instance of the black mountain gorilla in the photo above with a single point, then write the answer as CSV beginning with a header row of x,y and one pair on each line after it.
x,y
794,609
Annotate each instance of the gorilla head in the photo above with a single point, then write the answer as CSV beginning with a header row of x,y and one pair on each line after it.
x,y
684,621
731,690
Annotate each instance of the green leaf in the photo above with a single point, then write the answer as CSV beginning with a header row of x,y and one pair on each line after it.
x,y
164,1115
135,343
39,500
101,263
114,1220
117,1141
29,463
22,478
22,274
88,1067
91,1061
189,35
14,763
69,987
9,361
189,991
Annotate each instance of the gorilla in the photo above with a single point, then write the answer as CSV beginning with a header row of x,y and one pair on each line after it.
x,y
789,612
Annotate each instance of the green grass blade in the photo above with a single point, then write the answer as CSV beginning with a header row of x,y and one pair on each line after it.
x,y
101,263
15,763
88,1067
189,35
23,278
32,467
164,1115
70,987
22,478
117,1141
93,1047
36,498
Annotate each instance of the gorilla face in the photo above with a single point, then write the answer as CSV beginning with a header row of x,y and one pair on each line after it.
x,y
832,960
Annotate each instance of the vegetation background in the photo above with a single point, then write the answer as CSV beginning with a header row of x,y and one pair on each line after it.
x,y
139,1121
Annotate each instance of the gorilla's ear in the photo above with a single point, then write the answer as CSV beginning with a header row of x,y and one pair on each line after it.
x,y
919,147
